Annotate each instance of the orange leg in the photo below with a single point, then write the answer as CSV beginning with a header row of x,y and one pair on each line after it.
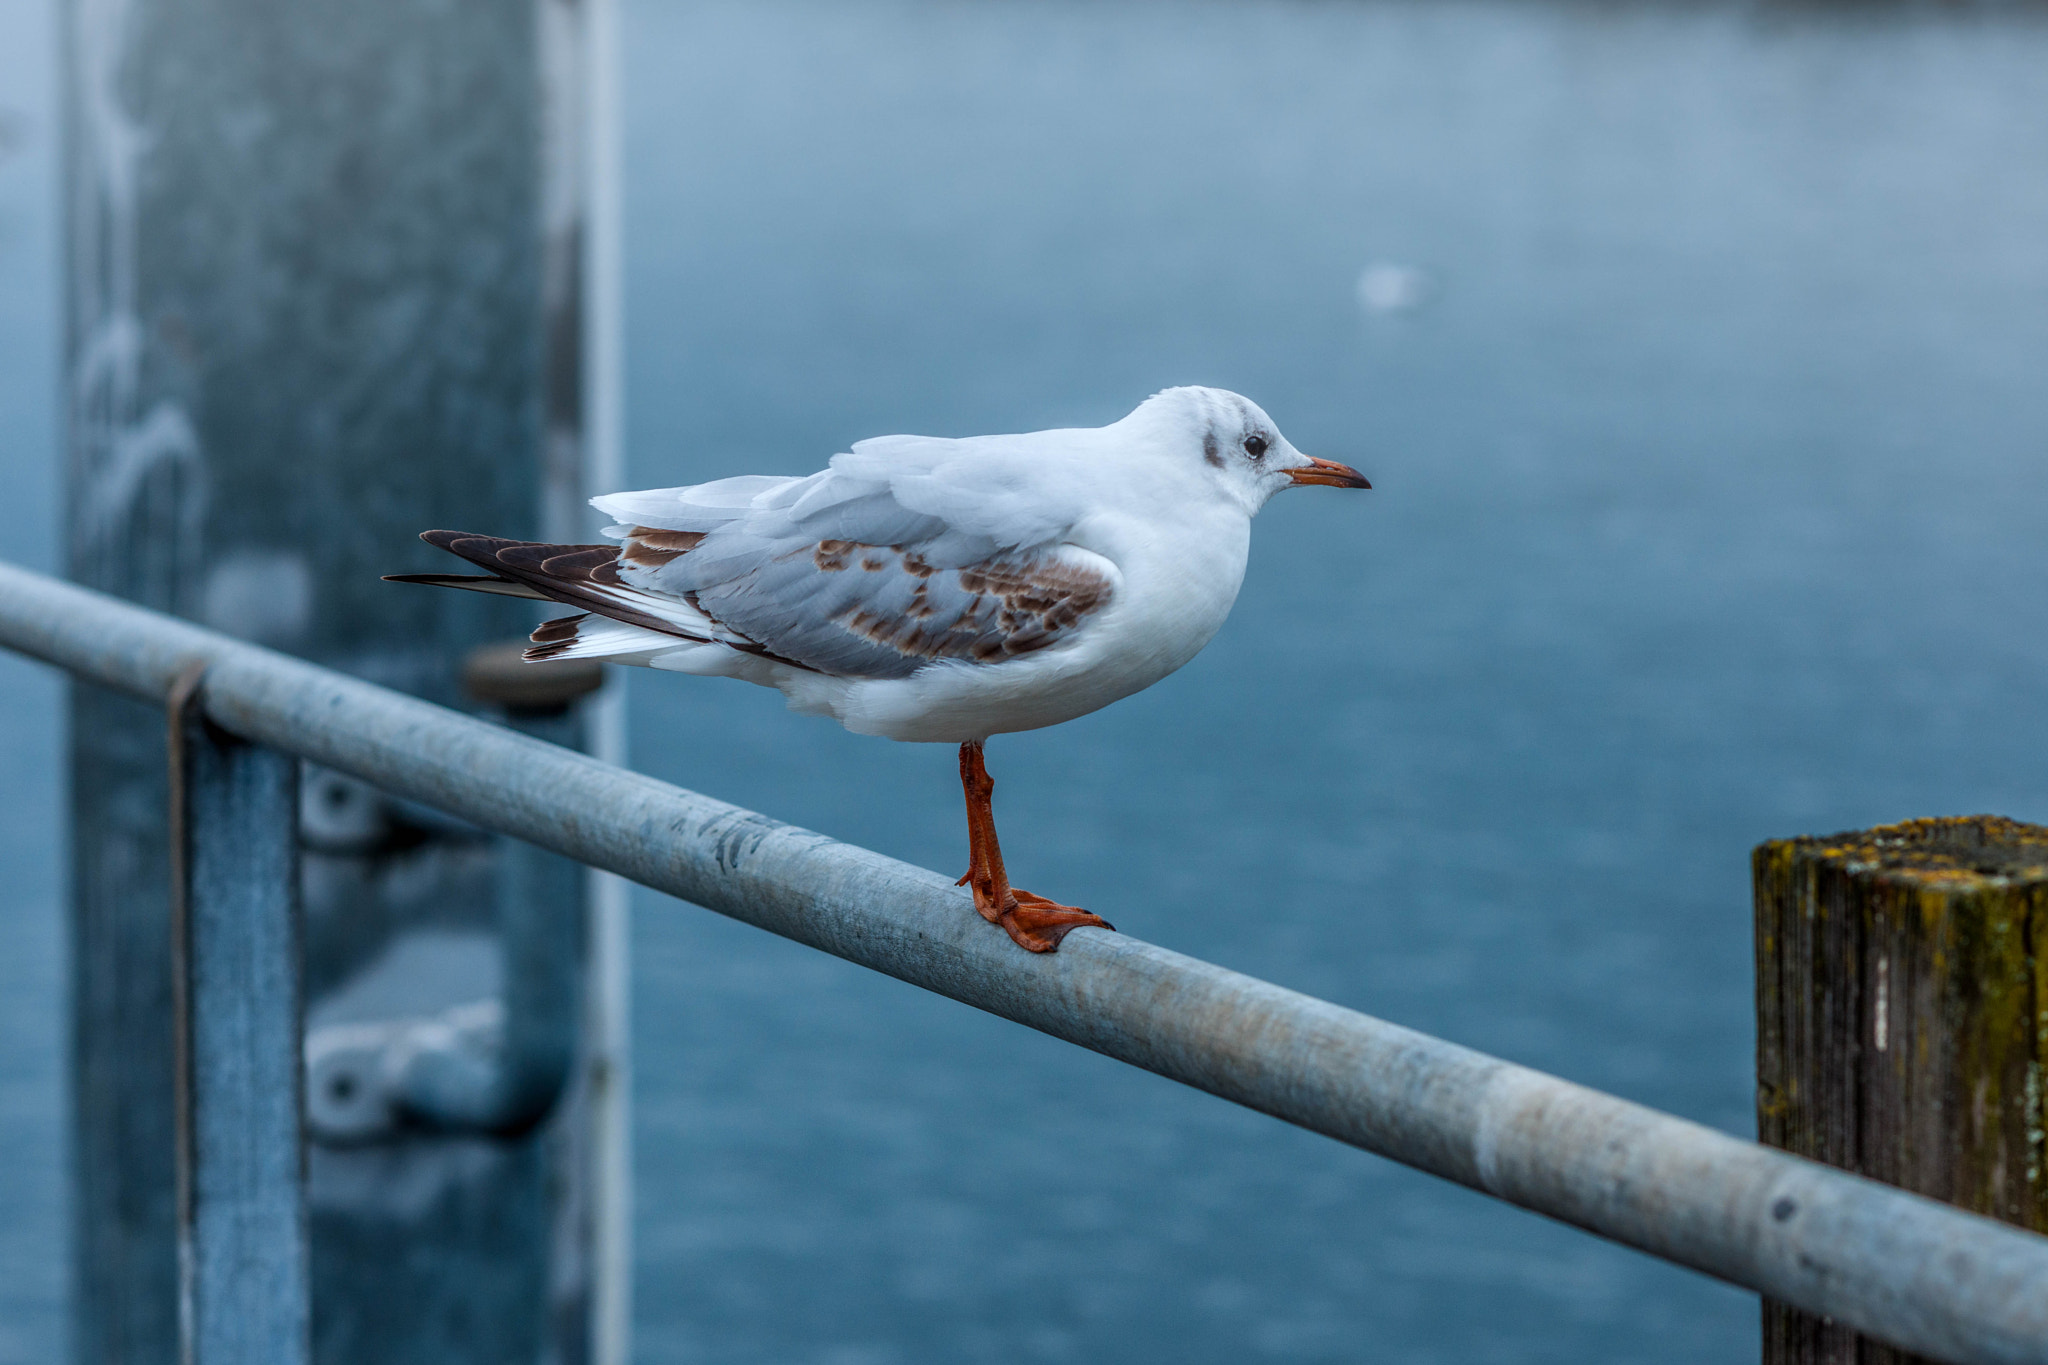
x,y
1036,923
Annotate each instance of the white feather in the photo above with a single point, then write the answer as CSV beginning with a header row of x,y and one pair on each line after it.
x,y
600,637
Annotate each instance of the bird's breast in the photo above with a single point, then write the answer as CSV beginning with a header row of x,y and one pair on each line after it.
x,y
1175,584
1179,581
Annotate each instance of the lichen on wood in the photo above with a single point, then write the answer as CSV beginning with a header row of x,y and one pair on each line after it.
x,y
1900,1023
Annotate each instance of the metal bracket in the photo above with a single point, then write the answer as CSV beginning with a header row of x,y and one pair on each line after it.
x,y
368,1081
494,1065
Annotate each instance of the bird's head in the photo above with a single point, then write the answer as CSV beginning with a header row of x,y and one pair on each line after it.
x,y
1232,442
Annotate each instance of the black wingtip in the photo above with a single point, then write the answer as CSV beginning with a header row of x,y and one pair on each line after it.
x,y
490,583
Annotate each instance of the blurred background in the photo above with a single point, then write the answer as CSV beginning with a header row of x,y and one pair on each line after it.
x,y
1699,357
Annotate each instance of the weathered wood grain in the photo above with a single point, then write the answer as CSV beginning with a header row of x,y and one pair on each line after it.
x,y
1899,1024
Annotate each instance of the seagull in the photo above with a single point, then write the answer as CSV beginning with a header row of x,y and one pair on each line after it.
x,y
932,589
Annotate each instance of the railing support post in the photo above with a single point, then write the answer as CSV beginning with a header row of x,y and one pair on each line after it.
x,y
1899,1025
235,952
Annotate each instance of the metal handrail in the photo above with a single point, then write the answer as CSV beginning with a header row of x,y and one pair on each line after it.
x,y
1922,1275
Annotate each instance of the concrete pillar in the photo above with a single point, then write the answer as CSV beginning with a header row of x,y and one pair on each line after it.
x,y
323,293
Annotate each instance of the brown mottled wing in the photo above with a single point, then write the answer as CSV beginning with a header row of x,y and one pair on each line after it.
x,y
836,606
884,611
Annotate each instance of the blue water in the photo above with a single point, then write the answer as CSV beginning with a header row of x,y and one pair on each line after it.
x,y
1699,374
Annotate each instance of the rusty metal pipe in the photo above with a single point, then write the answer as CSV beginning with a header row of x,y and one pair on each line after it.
x,y
1922,1275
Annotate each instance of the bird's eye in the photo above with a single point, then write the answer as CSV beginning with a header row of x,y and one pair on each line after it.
x,y
1255,446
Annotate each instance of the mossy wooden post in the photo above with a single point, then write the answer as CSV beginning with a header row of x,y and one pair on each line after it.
x,y
1900,1024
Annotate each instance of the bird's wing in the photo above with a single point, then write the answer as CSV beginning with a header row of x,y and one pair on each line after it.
x,y
866,610
962,500
905,551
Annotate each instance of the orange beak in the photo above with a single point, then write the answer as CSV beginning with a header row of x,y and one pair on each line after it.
x,y
1329,472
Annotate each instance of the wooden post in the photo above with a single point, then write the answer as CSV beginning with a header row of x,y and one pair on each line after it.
x,y
1900,1024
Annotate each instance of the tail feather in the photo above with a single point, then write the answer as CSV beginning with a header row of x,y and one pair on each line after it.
x,y
503,587
597,637
574,575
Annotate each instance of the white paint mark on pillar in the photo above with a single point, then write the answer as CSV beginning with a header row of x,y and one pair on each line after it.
x,y
265,596
119,447
1882,1026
